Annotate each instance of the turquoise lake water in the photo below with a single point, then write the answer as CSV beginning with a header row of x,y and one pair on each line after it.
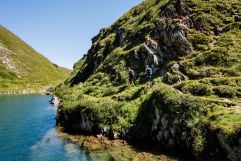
x,y
27,132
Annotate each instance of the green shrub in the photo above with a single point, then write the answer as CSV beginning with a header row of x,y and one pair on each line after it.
x,y
225,91
195,88
199,38
89,89
109,91
198,144
217,57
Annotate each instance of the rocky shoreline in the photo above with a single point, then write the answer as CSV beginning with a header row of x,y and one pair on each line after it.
x,y
160,130
42,92
54,101
118,149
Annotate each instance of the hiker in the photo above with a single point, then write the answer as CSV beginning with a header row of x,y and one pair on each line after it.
x,y
131,76
217,30
237,18
148,74
181,25
150,43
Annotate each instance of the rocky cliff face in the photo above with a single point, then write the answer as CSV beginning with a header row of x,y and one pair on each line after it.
x,y
194,103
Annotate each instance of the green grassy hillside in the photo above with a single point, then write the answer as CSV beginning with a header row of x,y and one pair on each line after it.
x,y
21,67
195,100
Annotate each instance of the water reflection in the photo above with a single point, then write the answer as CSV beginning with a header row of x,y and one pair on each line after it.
x,y
52,147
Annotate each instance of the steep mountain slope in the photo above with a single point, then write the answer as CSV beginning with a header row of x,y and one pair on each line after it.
x,y
22,68
195,101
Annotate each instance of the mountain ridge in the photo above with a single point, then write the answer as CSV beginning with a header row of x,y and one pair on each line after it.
x,y
22,67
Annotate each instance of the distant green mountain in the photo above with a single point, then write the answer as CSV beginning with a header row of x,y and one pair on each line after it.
x,y
23,68
194,49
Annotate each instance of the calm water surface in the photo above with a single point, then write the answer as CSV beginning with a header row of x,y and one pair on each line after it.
x,y
27,132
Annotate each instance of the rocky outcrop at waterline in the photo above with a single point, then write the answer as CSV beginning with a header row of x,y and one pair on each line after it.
x,y
54,101
105,149
158,124
196,69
